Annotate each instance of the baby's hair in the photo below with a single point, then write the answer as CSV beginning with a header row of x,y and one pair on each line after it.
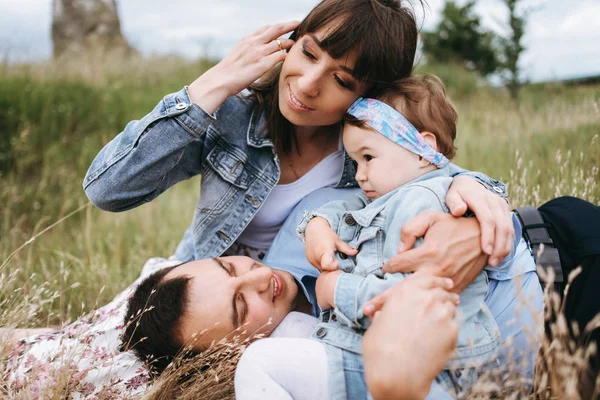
x,y
422,100
154,313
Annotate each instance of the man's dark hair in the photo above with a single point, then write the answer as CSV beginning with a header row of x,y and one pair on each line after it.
x,y
153,318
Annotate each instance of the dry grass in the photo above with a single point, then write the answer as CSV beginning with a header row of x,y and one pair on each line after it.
x,y
547,147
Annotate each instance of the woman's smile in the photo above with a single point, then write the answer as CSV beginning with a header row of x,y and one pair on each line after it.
x,y
296,104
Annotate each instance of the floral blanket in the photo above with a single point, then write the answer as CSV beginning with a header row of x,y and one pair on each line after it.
x,y
81,360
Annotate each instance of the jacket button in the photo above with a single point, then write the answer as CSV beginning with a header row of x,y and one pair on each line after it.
x,y
350,220
498,189
343,256
180,106
321,332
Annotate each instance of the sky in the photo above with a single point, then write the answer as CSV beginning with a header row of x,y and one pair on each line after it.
x,y
562,37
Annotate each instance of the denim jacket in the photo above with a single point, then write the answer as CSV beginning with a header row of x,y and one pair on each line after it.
x,y
178,140
374,228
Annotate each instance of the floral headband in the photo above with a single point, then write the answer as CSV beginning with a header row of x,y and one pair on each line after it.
x,y
391,124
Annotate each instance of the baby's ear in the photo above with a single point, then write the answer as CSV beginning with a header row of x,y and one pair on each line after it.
x,y
430,139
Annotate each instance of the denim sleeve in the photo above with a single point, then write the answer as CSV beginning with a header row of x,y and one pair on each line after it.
x,y
492,185
352,292
150,155
332,212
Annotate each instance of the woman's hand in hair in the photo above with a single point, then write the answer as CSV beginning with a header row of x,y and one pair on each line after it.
x,y
492,212
321,244
250,59
451,248
411,338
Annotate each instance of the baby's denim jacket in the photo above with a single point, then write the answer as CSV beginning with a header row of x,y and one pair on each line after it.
x,y
374,229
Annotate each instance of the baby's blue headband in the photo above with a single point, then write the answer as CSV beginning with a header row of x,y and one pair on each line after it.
x,y
391,124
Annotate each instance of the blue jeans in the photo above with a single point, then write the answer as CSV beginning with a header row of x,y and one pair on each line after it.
x,y
514,320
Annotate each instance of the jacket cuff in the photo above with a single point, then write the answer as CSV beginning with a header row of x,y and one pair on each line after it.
x,y
490,184
306,218
190,115
346,299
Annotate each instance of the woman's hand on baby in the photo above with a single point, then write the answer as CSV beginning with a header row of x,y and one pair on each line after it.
x,y
251,58
321,243
411,338
492,212
451,248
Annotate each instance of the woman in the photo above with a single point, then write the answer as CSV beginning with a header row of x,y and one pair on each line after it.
x,y
261,152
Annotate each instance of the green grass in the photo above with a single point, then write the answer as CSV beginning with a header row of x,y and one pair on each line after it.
x,y
54,119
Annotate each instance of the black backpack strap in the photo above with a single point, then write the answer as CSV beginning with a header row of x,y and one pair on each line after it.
x,y
535,232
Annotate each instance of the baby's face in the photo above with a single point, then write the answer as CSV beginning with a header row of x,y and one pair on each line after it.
x,y
382,165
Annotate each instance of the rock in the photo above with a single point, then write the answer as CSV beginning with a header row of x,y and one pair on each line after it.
x,y
86,26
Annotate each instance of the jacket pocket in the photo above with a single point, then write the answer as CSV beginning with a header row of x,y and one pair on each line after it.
x,y
369,233
224,178
230,165
370,246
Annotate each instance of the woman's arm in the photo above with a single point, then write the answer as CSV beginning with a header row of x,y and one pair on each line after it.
x,y
166,146
151,154
486,198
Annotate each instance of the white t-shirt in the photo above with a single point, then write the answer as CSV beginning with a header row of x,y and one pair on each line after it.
x,y
283,198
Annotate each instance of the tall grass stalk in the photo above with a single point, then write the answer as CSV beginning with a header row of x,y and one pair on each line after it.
x,y
55,118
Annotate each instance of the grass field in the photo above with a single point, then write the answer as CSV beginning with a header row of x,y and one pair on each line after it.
x,y
55,118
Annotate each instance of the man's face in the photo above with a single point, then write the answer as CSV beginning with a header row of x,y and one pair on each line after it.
x,y
227,293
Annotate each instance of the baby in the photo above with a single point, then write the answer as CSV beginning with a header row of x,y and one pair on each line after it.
x,y
401,144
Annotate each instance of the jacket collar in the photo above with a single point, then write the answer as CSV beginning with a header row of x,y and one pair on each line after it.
x,y
366,215
257,125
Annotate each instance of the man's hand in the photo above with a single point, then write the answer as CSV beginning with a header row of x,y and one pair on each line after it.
x,y
451,248
411,338
321,243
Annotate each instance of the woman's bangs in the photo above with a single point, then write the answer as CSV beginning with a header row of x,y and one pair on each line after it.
x,y
377,60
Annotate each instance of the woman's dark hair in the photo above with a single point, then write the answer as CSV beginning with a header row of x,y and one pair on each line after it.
x,y
384,32
152,321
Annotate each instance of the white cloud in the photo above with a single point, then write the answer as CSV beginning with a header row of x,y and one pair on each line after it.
x,y
582,22
561,37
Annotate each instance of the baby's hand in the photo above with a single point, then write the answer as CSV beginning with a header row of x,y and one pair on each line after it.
x,y
325,289
321,243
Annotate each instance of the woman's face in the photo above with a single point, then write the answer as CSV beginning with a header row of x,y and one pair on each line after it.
x,y
230,292
316,89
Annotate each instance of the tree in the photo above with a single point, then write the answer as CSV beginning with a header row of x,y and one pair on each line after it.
x,y
82,26
460,38
512,48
